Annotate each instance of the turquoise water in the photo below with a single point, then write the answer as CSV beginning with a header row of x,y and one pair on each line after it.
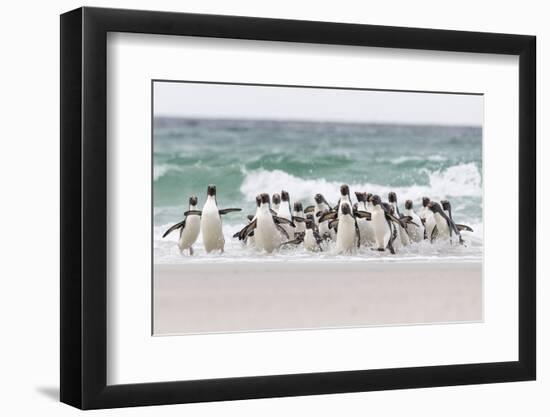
x,y
244,158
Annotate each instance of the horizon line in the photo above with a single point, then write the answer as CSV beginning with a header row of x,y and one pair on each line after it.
x,y
298,120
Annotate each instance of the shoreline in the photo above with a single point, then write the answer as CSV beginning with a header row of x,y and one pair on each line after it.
x,y
242,296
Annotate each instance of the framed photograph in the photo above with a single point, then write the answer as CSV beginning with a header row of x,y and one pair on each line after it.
x,y
259,208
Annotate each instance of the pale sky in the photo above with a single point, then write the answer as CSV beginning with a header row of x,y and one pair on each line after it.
x,y
224,101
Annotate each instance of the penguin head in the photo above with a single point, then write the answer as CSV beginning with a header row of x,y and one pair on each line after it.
x,y
361,197
193,200
264,198
211,190
276,198
344,189
309,222
409,204
392,197
446,205
346,209
319,198
298,207
376,200
284,196
435,207
425,201
258,200
368,198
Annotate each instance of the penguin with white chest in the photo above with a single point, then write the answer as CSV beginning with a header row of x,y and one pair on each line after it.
x,y
385,225
211,222
344,198
402,234
285,213
189,228
365,226
276,202
348,237
310,238
444,225
416,231
299,219
321,207
265,227
428,219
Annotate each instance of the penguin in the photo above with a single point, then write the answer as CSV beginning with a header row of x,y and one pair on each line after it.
x,y
321,207
446,206
385,224
365,227
249,240
276,202
444,225
423,211
416,233
285,213
266,227
211,222
427,218
189,228
401,232
299,219
268,237
335,212
348,237
310,238
344,197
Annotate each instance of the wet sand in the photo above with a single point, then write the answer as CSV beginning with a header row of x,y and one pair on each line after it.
x,y
254,296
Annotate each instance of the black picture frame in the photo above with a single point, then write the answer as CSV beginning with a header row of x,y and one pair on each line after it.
x,y
84,207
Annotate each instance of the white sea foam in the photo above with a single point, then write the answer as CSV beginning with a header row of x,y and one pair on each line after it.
x,y
403,159
162,169
456,181
166,251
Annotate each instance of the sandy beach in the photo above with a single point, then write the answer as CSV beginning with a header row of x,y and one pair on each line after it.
x,y
254,296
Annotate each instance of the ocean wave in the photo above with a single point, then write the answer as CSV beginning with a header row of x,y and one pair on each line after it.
x,y
161,170
463,180
404,159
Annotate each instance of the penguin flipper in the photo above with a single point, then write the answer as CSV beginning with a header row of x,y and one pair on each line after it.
x,y
228,210
245,231
462,227
174,227
329,215
362,214
298,219
408,219
192,213
273,212
282,230
309,209
281,220
357,234
333,224
434,234
292,242
317,237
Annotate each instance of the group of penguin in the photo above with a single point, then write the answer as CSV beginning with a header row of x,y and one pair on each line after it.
x,y
276,223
